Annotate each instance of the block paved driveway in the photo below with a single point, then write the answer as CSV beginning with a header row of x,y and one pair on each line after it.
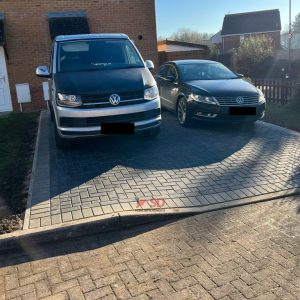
x,y
197,167
249,252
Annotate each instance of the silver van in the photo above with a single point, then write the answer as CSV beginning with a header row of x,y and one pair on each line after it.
x,y
99,84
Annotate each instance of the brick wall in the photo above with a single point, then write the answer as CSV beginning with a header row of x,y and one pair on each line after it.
x,y
29,43
169,56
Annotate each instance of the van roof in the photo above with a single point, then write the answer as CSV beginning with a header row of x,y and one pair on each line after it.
x,y
61,38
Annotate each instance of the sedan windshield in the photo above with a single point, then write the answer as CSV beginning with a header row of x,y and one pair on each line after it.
x,y
205,71
90,55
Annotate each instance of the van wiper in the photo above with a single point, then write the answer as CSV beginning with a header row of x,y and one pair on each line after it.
x,y
130,67
89,70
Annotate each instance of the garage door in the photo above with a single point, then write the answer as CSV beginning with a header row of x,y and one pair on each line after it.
x,y
5,99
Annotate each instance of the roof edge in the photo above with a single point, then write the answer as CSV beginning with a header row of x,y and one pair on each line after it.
x,y
75,37
178,43
253,12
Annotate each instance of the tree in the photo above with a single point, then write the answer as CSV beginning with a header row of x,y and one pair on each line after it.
x,y
296,24
254,55
189,36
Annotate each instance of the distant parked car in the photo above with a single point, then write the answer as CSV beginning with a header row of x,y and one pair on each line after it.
x,y
208,90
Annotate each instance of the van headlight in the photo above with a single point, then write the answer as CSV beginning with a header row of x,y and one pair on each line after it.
x,y
203,99
261,96
68,100
151,93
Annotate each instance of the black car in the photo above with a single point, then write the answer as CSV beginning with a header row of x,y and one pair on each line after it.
x,y
208,90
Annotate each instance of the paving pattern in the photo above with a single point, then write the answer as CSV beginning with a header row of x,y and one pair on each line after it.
x,y
249,252
193,167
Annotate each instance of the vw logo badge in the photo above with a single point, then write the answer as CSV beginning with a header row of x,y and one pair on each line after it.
x,y
240,100
114,99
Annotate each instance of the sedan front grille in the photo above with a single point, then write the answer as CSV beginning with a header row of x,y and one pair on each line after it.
x,y
232,100
96,121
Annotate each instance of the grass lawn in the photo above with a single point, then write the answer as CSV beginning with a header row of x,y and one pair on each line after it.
x,y
285,115
17,138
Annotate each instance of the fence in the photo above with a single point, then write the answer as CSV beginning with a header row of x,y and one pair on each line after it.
x,y
277,90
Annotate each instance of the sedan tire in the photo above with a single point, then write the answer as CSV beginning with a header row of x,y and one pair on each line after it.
x,y
183,113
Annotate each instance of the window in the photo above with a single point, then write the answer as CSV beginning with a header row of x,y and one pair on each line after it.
x,y
87,55
66,23
2,36
173,72
205,71
163,71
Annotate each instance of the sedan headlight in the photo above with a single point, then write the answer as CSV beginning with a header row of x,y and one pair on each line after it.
x,y
151,93
203,99
261,96
69,100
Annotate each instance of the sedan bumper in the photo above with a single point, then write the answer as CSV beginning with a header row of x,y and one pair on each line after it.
x,y
217,113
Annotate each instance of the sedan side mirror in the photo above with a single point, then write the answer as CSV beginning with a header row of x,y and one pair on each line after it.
x,y
149,64
42,71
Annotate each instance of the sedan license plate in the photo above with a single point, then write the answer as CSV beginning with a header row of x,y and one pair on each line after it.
x,y
242,111
117,128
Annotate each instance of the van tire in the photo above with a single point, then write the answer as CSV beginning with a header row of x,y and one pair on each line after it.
x,y
50,108
60,142
152,133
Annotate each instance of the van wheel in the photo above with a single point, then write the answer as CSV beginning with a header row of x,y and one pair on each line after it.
x,y
60,142
183,113
152,133
50,108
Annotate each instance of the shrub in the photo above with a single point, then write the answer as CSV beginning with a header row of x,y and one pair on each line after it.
x,y
253,55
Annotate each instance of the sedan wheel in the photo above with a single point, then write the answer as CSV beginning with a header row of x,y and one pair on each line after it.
x,y
183,112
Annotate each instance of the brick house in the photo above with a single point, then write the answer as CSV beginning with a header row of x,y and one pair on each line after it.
x,y
237,27
28,27
172,50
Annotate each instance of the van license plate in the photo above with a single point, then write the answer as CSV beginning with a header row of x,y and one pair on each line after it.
x,y
117,128
242,111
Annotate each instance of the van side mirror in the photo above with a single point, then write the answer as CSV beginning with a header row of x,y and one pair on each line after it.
x,y
171,78
42,71
149,64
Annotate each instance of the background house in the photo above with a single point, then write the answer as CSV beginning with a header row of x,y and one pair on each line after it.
x,y
216,41
237,27
173,50
27,29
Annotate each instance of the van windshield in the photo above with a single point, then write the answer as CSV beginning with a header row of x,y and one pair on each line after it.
x,y
90,55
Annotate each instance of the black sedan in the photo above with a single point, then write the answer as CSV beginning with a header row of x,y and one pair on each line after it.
x,y
207,90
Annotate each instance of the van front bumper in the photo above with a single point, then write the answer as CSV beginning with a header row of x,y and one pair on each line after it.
x,y
76,123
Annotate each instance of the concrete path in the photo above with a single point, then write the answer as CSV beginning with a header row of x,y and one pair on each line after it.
x,y
204,167
249,252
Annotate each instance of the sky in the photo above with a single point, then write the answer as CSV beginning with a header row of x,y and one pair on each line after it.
x,y
207,15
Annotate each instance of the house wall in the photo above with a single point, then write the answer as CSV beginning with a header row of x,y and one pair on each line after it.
x,y
284,54
29,43
233,41
195,54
